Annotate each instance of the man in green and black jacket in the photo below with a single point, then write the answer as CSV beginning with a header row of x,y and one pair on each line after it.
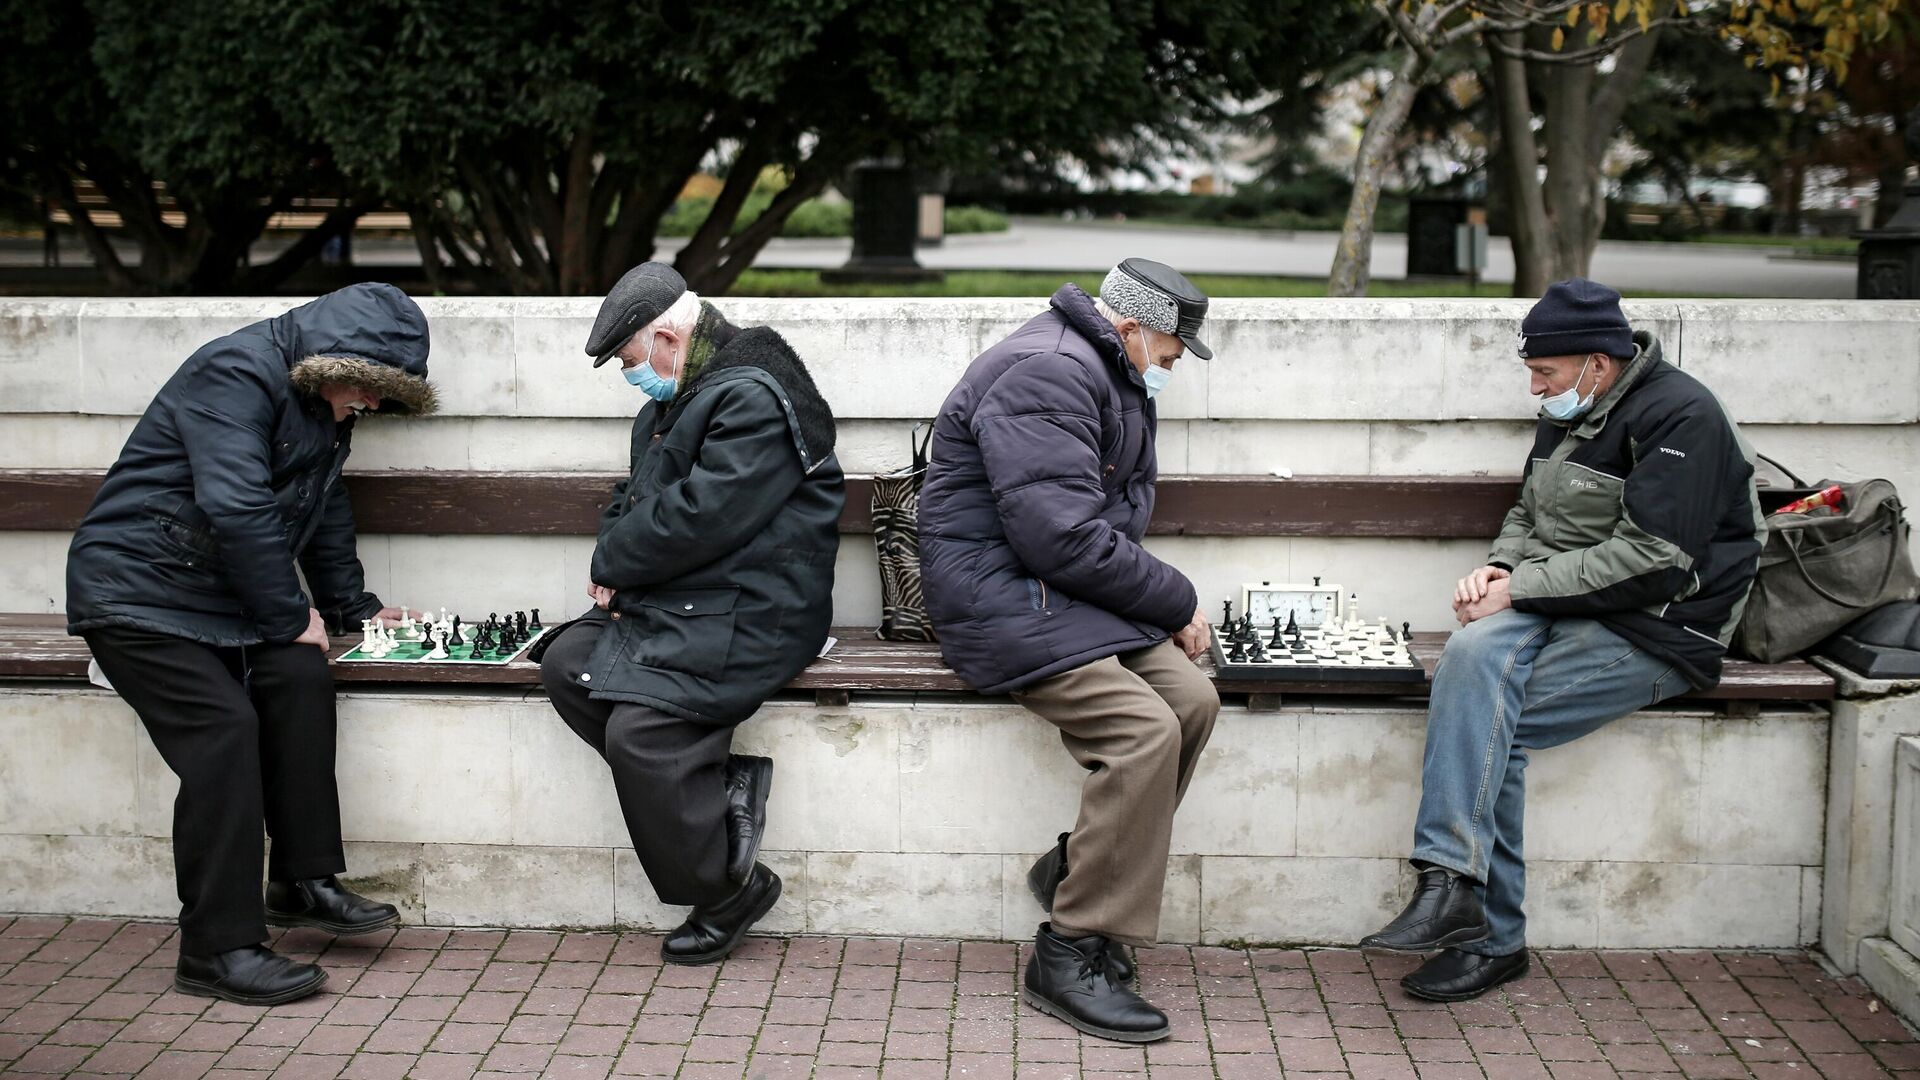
x,y
1616,582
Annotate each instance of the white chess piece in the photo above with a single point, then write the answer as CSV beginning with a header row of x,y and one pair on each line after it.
x,y
366,635
439,642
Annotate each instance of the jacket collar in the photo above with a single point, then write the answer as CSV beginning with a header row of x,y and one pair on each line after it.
x,y
1646,353
1074,305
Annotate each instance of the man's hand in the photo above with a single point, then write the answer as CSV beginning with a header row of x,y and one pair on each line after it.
x,y
601,596
1192,638
315,633
1498,597
1473,588
391,615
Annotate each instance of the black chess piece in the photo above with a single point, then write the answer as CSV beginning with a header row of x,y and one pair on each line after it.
x,y
1293,625
1257,653
479,651
535,624
454,638
520,625
1239,653
1274,634
1406,634
1226,614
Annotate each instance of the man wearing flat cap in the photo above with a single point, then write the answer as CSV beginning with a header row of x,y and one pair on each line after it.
x,y
1031,522
712,584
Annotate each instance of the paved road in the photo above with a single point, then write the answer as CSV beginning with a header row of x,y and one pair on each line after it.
x,y
1042,244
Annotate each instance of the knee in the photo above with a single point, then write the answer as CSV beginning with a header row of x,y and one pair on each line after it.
x,y
1195,701
1155,739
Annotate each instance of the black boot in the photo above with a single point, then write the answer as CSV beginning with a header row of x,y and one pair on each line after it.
x,y
1068,978
327,905
709,934
1445,911
1460,976
250,975
749,781
1044,879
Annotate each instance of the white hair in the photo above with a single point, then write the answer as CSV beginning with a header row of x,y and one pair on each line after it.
x,y
678,318
1106,312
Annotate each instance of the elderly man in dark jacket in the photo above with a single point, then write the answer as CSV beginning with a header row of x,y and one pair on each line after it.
x,y
182,579
1031,522
713,587
1615,583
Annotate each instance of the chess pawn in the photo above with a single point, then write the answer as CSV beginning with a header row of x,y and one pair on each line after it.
x,y
439,642
535,624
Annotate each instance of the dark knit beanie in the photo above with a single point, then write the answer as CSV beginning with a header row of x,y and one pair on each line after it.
x,y
1576,317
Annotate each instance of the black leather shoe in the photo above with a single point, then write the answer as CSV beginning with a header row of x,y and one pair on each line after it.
x,y
327,905
1461,976
709,934
1445,911
250,975
1043,880
749,782
1068,978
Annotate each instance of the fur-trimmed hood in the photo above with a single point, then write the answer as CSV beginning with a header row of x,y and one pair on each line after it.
x,y
370,335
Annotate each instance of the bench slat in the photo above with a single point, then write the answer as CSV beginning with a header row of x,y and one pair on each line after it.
x,y
36,647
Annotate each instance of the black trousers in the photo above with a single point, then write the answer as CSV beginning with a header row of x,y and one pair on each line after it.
x,y
249,732
669,773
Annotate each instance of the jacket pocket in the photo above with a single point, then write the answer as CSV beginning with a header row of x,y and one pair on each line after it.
x,y
686,630
183,531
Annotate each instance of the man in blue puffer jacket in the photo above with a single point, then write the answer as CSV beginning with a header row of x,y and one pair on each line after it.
x,y
1031,522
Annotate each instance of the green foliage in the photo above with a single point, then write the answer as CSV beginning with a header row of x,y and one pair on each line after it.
x,y
814,218
1039,285
961,220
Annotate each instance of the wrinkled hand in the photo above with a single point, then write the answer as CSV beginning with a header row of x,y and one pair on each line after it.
x,y
391,615
1473,587
1192,638
316,632
601,596
1498,597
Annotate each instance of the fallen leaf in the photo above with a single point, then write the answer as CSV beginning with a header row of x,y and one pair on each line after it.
x,y
1873,1006
1752,1042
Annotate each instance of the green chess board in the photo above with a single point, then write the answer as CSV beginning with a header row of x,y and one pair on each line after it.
x,y
415,652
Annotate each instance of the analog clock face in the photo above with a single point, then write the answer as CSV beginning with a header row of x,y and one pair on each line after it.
x,y
1304,605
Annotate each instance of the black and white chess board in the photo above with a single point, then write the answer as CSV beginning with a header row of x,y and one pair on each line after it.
x,y
1341,652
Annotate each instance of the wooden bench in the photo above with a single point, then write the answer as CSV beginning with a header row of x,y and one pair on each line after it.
x,y
568,504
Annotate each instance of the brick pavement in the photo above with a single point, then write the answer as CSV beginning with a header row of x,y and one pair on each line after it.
x,y
91,996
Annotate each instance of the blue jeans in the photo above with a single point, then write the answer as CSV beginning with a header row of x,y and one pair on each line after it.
x,y
1507,684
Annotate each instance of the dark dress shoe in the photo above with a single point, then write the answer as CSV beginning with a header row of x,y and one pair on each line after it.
x,y
1445,911
1068,978
1043,881
325,904
709,934
250,975
1462,976
749,781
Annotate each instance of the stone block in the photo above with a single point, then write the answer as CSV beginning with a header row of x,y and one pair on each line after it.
x,y
1894,974
1810,899
636,907
88,875
130,348
1259,447
474,575
492,444
982,778
420,768
1858,877
1563,904
856,583
1246,793
474,885
1869,372
912,895
40,356
1780,821
1360,781
33,572
1325,359
472,362
836,779
1652,905
391,873
1630,792
1486,447
1904,913
67,764
552,376
60,441
562,791
1299,900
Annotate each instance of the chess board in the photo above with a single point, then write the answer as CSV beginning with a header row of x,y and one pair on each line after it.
x,y
415,652
1364,653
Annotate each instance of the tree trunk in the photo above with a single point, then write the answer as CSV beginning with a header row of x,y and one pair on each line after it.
x,y
1528,230
1571,173
1353,260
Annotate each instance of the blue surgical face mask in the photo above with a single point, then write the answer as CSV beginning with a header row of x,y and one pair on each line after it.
x,y
1568,403
650,382
1156,378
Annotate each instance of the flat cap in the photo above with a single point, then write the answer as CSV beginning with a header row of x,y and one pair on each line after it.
x,y
642,295
1160,297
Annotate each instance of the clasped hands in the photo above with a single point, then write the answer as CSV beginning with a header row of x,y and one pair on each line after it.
x,y
1481,593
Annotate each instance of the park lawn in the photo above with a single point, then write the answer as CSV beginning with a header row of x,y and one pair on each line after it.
x,y
1040,283
1802,245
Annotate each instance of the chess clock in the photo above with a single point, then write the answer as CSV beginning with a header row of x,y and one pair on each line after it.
x,y
1307,606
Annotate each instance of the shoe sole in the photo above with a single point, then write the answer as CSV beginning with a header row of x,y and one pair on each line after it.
x,y
214,990
765,769
711,955
334,928
1048,1007
1470,935
1434,995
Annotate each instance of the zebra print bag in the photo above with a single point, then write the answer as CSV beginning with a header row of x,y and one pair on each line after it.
x,y
896,537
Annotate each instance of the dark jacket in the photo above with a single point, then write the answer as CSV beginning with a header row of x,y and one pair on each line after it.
x,y
720,544
1641,515
1038,495
233,473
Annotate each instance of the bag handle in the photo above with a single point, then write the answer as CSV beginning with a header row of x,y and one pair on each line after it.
x,y
920,445
1890,507
1788,473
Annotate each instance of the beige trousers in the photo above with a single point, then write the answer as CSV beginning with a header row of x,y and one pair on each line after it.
x,y
1137,723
